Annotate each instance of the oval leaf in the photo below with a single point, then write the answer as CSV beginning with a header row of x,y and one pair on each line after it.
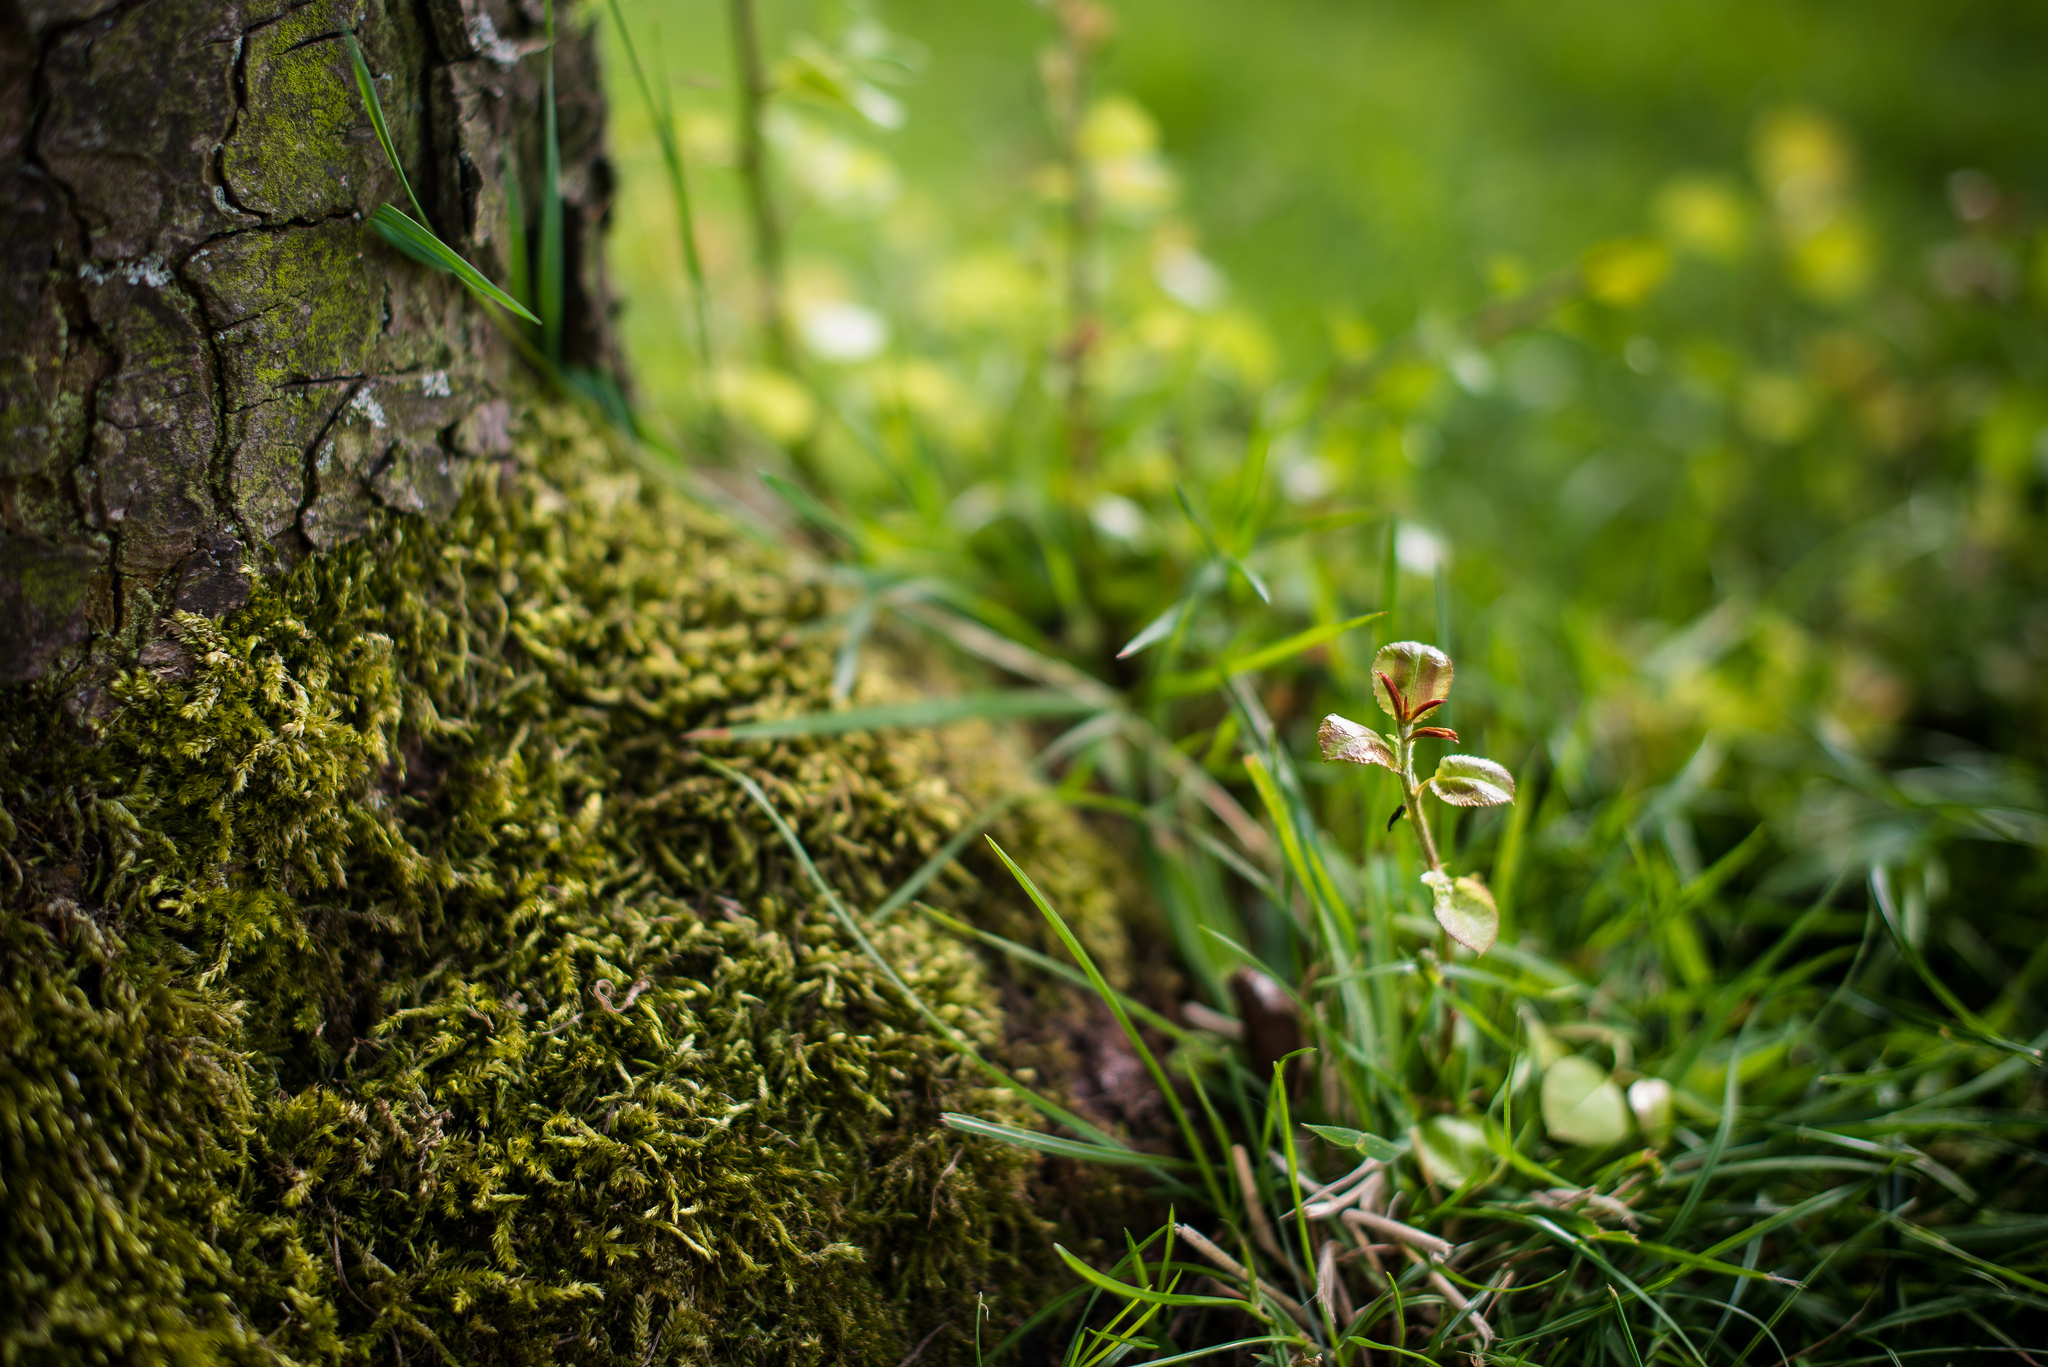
x,y
1581,1104
1451,1149
1347,740
1469,781
1465,909
1420,673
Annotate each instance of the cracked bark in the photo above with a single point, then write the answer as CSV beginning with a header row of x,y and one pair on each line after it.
x,y
209,365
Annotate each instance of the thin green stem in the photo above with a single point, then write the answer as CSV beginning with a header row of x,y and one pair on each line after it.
x,y
754,92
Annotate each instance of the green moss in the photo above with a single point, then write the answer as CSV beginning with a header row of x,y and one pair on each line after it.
x,y
384,980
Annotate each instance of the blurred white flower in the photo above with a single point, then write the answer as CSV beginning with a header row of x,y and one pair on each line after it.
x,y
1420,550
1189,277
836,330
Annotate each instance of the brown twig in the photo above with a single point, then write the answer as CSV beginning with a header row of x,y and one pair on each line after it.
x,y
1198,1241
1262,1230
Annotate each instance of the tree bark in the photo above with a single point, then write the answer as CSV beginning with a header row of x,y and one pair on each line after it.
x,y
209,364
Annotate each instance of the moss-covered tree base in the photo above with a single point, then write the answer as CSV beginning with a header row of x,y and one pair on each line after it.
x,y
384,980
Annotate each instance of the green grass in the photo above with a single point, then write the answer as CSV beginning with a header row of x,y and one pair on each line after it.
x,y
1700,419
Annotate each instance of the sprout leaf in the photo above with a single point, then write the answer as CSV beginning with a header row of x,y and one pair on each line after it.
x,y
1420,674
1469,781
1347,740
1465,909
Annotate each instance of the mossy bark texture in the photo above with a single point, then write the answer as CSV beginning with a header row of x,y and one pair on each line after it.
x,y
382,978
385,981
207,360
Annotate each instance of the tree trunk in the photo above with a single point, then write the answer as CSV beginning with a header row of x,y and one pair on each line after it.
x,y
209,364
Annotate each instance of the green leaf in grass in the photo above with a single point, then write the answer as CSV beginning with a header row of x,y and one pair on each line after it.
x,y
422,246
1582,1105
1469,781
1465,909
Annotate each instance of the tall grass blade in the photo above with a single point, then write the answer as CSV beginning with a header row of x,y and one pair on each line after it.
x,y
1112,999
422,246
1012,705
411,236
1040,1142
908,890
1203,681
662,115
367,88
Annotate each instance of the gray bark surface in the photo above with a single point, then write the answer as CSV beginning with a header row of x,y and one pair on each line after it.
x,y
209,364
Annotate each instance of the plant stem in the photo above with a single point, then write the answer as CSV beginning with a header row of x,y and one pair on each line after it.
x,y
1065,70
753,84
1413,791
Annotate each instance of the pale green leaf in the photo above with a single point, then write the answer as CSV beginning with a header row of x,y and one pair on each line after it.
x,y
1581,1104
1451,1149
1347,740
1469,781
1465,909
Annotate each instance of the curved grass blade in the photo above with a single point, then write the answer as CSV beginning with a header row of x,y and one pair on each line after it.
x,y
662,116
1156,630
1051,965
1019,1138
944,855
409,235
1139,1293
1006,704
1114,1000
367,88
421,245
1201,681
1208,534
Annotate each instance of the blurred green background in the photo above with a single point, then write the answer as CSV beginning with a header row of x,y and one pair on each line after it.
x,y
1680,366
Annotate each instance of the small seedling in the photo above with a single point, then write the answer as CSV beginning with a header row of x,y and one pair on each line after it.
x,y
1410,682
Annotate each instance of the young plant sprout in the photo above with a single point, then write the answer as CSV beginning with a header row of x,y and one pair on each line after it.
x,y
1410,682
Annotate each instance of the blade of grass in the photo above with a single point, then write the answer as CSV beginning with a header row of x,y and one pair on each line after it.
x,y
1202,681
662,115
1057,1146
409,235
1208,535
421,245
1010,704
941,857
1139,1293
1114,1001
1065,972
367,88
